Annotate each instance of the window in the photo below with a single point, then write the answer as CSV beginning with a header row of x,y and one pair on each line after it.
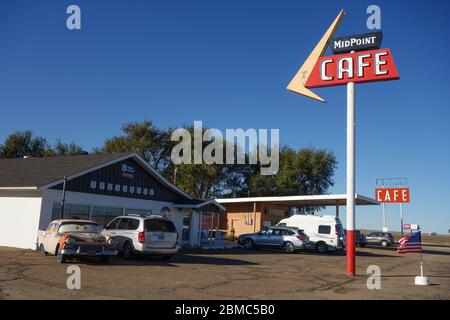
x,y
324,229
113,224
287,233
133,224
80,227
71,211
143,212
123,224
340,229
300,232
103,215
186,227
159,225
276,232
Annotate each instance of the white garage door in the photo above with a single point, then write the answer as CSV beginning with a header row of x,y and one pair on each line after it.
x,y
19,221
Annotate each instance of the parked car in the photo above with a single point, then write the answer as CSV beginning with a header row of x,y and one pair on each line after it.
x,y
381,238
326,232
145,235
360,238
288,239
68,239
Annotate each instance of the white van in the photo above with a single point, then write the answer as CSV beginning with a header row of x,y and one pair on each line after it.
x,y
325,232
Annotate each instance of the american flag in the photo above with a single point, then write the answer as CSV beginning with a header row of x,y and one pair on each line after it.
x,y
411,243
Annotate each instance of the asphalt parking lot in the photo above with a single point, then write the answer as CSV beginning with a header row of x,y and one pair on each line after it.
x,y
227,274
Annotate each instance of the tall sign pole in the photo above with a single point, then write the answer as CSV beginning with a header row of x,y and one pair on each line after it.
x,y
401,218
350,233
357,59
385,229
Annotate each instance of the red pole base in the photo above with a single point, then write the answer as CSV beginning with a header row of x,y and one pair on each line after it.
x,y
350,252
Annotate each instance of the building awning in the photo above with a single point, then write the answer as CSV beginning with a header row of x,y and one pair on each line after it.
x,y
209,205
299,201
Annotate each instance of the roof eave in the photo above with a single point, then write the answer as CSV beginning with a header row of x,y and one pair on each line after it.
x,y
134,155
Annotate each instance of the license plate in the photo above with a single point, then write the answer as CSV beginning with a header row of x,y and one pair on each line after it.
x,y
161,237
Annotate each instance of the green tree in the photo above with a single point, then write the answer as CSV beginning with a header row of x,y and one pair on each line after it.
x,y
64,149
23,143
149,142
205,181
305,172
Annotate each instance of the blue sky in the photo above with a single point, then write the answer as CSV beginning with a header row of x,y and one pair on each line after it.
x,y
227,63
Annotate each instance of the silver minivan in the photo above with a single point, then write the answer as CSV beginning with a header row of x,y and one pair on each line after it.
x,y
145,235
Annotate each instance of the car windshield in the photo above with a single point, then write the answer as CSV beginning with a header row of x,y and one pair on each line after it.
x,y
80,227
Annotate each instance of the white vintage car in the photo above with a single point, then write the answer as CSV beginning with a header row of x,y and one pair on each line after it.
x,y
68,239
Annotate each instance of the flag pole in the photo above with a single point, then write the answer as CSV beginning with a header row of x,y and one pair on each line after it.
x,y
421,280
421,264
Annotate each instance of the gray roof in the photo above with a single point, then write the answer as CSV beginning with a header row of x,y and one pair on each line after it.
x,y
37,172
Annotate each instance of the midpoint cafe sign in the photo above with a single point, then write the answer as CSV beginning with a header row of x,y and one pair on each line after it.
x,y
357,58
392,195
362,42
364,66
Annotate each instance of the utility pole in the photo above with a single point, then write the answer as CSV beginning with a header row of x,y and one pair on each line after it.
x,y
63,198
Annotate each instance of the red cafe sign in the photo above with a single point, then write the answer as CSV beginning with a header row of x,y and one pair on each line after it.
x,y
363,66
392,195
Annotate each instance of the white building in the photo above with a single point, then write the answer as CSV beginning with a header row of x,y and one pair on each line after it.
x,y
97,187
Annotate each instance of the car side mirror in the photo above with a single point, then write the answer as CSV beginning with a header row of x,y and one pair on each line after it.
x,y
105,227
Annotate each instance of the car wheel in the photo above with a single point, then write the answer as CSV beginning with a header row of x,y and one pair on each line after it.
x,y
249,244
321,248
127,251
42,250
104,259
288,247
384,243
60,258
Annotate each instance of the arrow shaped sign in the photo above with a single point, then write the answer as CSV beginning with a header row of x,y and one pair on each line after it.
x,y
297,83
